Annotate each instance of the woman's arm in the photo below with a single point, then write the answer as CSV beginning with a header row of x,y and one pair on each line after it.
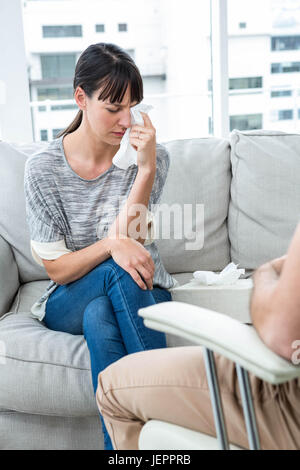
x,y
132,219
128,253
72,266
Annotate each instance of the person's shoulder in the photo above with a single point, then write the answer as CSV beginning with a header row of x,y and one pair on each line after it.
x,y
44,160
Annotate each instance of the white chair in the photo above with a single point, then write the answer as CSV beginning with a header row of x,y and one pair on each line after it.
x,y
236,341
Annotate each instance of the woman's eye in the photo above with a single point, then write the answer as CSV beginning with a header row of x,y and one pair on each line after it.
x,y
112,110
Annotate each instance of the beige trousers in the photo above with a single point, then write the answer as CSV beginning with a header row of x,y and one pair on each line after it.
x,y
170,385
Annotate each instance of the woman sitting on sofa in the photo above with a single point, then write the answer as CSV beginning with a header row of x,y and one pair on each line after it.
x,y
100,276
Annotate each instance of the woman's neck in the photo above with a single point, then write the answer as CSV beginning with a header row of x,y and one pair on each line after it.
x,y
83,144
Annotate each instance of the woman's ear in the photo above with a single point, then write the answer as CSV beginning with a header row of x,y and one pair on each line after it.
x,y
80,98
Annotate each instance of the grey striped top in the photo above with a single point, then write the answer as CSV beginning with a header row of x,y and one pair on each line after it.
x,y
61,206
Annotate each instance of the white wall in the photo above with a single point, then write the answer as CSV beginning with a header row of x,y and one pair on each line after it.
x,y
15,121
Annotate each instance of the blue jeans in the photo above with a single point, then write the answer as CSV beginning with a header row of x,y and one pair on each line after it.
x,y
102,305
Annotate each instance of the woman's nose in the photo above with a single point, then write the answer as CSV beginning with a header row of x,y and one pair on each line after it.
x,y
125,119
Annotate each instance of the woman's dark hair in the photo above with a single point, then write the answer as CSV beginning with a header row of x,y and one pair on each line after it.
x,y
110,68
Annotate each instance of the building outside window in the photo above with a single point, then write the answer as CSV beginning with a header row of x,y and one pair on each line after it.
x,y
268,48
245,83
285,114
246,122
63,107
61,31
280,93
153,43
58,65
63,93
285,67
43,134
122,27
100,28
285,43
55,133
242,83
263,60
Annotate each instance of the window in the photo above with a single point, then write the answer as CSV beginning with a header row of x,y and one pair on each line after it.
x,y
285,114
270,78
63,107
63,93
100,28
281,93
246,122
122,27
285,67
68,31
153,46
44,134
241,83
58,65
55,132
245,83
285,43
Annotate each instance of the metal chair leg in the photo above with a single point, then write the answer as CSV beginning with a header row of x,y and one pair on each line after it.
x,y
248,408
216,400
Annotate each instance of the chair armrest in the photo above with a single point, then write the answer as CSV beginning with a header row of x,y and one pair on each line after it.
x,y
9,277
222,334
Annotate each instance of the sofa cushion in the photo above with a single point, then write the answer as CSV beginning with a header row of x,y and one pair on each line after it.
x,y
51,370
13,226
9,276
27,295
265,195
200,174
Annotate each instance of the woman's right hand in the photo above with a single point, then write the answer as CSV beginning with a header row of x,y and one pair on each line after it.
x,y
133,258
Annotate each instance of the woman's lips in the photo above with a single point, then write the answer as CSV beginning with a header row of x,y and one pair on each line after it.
x,y
119,134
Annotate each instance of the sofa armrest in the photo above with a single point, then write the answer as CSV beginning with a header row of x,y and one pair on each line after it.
x,y
222,334
9,277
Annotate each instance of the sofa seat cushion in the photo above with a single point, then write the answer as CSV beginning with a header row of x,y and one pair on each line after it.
x,y
44,372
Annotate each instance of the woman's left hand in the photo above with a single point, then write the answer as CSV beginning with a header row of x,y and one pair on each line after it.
x,y
143,140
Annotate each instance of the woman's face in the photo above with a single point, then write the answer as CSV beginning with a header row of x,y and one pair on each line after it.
x,y
107,120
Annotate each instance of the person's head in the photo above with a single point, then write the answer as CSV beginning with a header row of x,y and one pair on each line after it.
x,y
106,84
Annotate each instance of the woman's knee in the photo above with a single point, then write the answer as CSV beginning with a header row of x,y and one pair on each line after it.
x,y
96,312
119,273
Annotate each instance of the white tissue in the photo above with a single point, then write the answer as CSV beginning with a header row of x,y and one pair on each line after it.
x,y
126,155
228,276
